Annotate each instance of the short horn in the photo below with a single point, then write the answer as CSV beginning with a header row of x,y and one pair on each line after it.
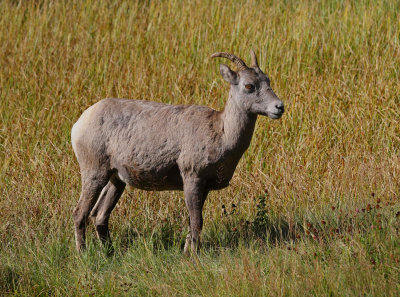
x,y
239,62
254,62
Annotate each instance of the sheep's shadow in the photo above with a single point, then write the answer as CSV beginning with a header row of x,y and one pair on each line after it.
x,y
228,233
233,235
162,237
219,236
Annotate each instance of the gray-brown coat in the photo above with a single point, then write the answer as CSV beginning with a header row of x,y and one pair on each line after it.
x,y
157,146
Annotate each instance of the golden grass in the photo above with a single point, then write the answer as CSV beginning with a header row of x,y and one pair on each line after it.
x,y
335,64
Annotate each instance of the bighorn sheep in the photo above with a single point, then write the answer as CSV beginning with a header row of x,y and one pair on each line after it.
x,y
156,146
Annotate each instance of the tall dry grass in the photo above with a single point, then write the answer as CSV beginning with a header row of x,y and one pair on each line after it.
x,y
335,64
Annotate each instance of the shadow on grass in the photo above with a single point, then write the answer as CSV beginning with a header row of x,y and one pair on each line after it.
x,y
9,277
263,230
162,237
266,229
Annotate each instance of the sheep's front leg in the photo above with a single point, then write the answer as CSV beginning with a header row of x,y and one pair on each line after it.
x,y
195,195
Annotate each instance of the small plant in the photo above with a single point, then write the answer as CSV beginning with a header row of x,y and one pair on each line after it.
x,y
261,221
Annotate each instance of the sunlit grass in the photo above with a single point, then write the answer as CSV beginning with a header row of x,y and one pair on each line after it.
x,y
336,66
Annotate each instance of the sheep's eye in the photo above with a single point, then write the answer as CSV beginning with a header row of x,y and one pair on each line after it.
x,y
249,87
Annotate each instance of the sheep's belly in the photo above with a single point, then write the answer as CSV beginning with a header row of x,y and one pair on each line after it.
x,y
167,179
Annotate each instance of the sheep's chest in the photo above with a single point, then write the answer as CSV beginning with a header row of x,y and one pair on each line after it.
x,y
221,173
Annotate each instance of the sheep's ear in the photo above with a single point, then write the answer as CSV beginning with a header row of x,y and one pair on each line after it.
x,y
229,75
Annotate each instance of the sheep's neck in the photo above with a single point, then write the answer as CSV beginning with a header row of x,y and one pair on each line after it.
x,y
238,127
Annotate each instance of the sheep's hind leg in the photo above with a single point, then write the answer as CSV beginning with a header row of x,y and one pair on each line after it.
x,y
92,184
103,208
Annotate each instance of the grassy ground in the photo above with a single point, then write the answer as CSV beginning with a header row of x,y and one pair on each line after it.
x,y
329,224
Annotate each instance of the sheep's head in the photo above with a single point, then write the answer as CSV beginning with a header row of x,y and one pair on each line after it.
x,y
250,87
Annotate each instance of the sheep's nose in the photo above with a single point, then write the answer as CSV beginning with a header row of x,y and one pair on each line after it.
x,y
279,106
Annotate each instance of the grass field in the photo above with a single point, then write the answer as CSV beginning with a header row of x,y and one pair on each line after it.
x,y
313,208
